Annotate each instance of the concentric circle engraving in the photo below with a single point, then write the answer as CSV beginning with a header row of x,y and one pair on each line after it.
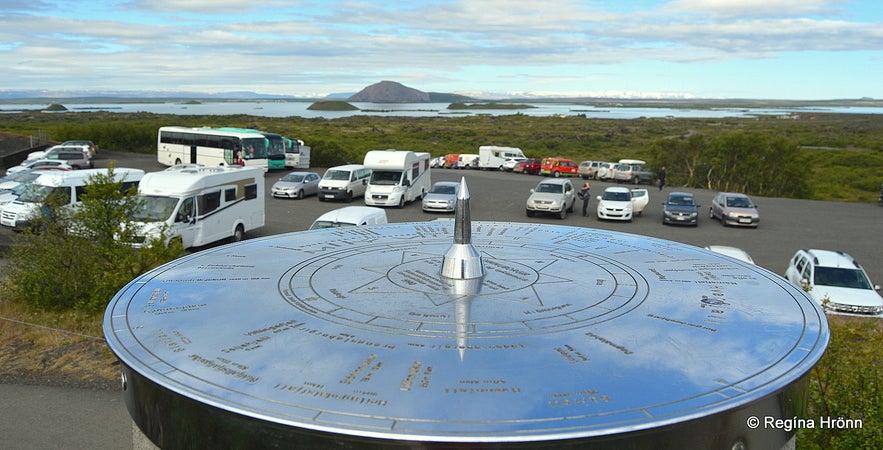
x,y
570,333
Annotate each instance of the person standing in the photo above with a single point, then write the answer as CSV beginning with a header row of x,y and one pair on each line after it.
x,y
584,196
661,177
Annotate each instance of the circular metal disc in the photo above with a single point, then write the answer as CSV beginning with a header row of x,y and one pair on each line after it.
x,y
571,333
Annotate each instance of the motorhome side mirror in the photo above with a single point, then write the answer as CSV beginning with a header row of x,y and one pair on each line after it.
x,y
406,183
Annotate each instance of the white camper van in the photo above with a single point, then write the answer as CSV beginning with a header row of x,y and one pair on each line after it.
x,y
65,188
493,157
200,205
344,182
397,177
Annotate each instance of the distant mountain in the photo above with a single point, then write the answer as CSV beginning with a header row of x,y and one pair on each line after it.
x,y
389,92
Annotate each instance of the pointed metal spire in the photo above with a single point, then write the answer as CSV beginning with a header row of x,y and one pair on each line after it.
x,y
462,261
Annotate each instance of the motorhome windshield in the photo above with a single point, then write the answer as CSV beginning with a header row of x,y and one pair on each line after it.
x,y
152,208
386,177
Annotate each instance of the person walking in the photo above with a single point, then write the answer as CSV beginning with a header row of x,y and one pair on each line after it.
x,y
661,177
585,197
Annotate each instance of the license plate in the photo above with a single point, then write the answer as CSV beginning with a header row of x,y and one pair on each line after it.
x,y
744,220
329,196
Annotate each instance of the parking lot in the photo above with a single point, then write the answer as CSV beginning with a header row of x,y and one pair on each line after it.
x,y
786,224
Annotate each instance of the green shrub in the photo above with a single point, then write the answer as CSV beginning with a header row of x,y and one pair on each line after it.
x,y
80,260
847,384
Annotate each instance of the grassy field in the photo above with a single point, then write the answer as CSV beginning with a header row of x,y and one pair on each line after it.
x,y
841,155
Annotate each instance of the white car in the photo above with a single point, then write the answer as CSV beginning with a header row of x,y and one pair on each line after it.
x,y
39,163
510,163
640,198
834,280
732,252
553,196
615,204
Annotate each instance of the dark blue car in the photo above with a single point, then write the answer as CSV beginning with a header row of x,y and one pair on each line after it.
x,y
680,208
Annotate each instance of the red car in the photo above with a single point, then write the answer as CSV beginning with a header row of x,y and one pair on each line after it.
x,y
559,167
529,166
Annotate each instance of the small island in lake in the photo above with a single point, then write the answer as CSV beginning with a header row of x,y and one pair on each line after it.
x,y
332,105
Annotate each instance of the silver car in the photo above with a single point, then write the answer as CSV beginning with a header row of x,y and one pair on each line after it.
x,y
552,195
734,209
442,197
297,185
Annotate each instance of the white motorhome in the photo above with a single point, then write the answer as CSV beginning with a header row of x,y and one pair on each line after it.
x,y
493,157
397,177
200,205
64,188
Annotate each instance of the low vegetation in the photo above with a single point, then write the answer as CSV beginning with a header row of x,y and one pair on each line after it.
x,y
812,156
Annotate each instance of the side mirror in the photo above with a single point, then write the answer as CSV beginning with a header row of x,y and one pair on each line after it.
x,y
532,190
598,197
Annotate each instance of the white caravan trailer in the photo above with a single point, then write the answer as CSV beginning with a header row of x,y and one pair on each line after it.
x,y
65,188
397,177
493,157
200,205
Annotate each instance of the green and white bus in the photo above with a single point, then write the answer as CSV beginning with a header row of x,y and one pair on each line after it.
x,y
211,147
275,146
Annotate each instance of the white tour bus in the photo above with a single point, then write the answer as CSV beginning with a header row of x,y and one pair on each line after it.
x,y
297,155
200,205
211,147
493,157
397,177
63,187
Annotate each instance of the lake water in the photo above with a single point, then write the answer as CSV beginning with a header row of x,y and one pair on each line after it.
x,y
288,109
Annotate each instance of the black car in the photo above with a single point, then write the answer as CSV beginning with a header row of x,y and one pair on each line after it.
x,y
680,208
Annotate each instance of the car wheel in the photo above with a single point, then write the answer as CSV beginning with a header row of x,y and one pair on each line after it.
x,y
562,214
300,194
530,213
349,196
636,180
402,202
555,174
711,213
238,233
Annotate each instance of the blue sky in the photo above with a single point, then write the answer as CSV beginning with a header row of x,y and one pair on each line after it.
x,y
772,49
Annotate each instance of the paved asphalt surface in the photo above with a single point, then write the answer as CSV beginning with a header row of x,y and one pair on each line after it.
x,y
43,417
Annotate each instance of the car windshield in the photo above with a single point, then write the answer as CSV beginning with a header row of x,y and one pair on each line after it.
x,y
153,208
552,188
384,177
839,277
337,175
293,178
443,189
617,196
739,202
680,201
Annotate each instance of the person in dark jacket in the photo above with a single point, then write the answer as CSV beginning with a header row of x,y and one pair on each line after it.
x,y
661,177
584,196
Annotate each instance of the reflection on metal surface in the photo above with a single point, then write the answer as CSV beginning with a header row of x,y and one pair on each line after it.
x,y
569,336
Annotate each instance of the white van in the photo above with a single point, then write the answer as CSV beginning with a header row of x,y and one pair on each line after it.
x,y
65,188
493,157
344,182
350,216
200,205
397,177
467,161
